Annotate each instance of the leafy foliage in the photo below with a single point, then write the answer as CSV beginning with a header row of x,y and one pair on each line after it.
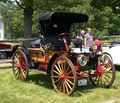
x,y
103,19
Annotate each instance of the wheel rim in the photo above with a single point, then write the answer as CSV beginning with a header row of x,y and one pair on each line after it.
x,y
107,76
20,67
63,76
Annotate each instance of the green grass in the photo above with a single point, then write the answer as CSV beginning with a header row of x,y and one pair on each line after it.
x,y
38,89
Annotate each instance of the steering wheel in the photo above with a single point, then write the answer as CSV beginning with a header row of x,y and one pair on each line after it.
x,y
63,35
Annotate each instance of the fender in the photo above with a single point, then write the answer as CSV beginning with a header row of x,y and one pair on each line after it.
x,y
27,53
14,49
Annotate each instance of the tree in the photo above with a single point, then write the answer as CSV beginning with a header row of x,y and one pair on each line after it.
x,y
112,26
100,4
28,7
7,10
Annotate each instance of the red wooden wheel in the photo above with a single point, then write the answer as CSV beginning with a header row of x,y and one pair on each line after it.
x,y
20,66
63,76
106,75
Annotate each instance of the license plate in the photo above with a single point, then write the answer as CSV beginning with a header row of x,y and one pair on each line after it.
x,y
82,82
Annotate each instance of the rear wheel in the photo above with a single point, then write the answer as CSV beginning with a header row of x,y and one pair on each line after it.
x,y
106,71
20,65
63,76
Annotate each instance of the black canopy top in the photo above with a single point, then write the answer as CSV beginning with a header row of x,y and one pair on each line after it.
x,y
54,23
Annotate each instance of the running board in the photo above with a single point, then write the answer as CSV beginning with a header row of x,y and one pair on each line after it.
x,y
39,71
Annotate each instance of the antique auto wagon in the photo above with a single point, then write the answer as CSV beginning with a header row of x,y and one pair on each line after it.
x,y
68,65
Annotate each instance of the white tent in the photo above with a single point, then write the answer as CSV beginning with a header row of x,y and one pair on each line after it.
x,y
1,30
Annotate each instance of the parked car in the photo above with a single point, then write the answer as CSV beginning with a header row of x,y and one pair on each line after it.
x,y
114,51
113,43
6,49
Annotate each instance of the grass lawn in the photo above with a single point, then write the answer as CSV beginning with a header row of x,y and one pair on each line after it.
x,y
38,89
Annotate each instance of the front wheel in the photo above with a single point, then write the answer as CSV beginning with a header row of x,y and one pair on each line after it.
x,y
63,76
20,65
105,72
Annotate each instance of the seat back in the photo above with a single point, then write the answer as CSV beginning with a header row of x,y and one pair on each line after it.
x,y
56,42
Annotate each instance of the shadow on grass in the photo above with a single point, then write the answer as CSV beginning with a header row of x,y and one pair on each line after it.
x,y
45,81
40,79
84,90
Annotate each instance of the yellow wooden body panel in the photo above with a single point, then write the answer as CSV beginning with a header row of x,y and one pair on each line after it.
x,y
40,55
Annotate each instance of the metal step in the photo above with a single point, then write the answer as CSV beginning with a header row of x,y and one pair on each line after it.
x,y
39,71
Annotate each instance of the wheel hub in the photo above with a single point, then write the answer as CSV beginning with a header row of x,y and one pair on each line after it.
x,y
62,77
18,66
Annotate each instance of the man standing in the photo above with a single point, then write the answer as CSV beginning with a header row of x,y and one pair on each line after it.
x,y
88,38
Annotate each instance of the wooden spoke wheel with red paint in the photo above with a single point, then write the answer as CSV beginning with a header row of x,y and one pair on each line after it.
x,y
63,76
20,65
106,73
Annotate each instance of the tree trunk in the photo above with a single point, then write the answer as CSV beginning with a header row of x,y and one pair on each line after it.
x,y
28,12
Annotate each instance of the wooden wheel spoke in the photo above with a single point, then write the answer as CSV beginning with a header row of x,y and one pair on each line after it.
x,y
21,76
15,63
15,69
55,76
70,77
108,76
61,86
59,66
56,80
68,85
67,68
107,80
70,81
64,65
98,80
57,69
16,59
64,90
101,80
107,68
69,73
95,79
57,85
23,73
23,64
56,72
18,74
